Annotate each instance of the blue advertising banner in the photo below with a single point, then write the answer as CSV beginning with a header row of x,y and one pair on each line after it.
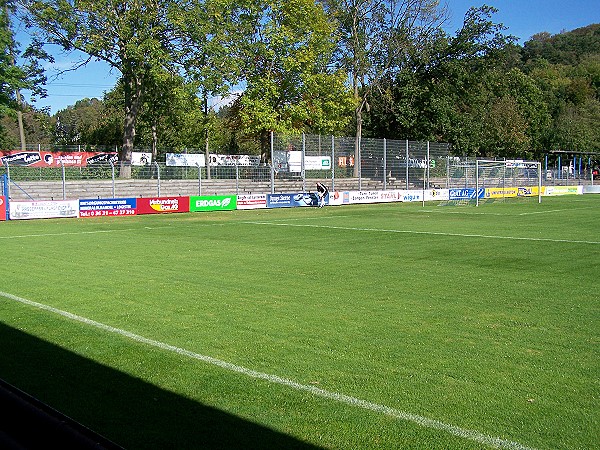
x,y
292,200
466,193
107,207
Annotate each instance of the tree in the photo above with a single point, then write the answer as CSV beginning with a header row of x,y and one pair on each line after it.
x,y
77,123
14,78
375,38
464,90
290,83
138,39
566,68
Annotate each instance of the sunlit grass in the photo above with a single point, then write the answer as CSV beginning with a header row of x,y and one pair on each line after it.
x,y
485,319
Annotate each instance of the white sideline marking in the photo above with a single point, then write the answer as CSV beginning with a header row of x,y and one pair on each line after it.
x,y
341,398
432,233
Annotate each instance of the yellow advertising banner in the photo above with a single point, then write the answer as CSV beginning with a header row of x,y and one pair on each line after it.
x,y
507,192
501,192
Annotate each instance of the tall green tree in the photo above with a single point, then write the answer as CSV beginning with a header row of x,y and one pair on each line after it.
x,y
566,68
465,90
139,39
13,76
375,37
290,83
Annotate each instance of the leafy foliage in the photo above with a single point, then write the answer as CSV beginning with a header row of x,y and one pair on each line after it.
x,y
384,67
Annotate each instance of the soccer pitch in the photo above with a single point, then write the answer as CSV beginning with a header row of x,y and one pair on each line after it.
x,y
355,327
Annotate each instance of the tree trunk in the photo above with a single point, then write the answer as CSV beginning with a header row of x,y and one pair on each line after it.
x,y
154,140
21,131
132,104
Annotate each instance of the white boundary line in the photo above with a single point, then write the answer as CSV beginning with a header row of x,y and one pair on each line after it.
x,y
431,233
422,421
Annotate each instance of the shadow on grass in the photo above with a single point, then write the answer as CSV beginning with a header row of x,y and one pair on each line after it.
x,y
125,410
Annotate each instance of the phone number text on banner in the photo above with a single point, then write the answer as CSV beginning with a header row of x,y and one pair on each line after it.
x,y
158,205
107,207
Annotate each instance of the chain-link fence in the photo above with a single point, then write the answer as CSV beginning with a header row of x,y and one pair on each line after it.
x,y
295,164
292,164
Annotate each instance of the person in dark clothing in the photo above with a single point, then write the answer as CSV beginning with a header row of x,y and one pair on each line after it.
x,y
322,192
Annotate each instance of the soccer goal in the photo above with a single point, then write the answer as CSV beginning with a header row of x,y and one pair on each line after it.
x,y
473,181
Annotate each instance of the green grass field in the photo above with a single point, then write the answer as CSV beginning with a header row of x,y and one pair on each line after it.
x,y
355,327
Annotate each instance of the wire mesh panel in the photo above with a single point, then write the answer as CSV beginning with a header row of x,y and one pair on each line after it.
x,y
382,162
472,181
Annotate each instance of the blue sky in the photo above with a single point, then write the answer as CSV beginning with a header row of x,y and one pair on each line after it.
x,y
523,18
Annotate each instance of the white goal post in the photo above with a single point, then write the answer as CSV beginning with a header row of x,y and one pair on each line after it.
x,y
524,176
472,180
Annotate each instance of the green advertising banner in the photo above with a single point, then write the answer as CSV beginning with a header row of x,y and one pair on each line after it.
x,y
213,203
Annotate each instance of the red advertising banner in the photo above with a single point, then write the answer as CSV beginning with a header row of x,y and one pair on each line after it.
x,y
2,208
55,159
157,205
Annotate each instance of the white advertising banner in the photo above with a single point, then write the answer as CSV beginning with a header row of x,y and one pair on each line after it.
x,y
185,159
294,160
44,209
563,190
141,158
437,195
251,201
397,195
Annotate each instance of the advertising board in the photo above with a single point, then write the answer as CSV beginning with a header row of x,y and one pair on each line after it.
x,y
107,207
466,193
213,203
293,200
563,190
55,159
2,208
44,209
251,201
158,205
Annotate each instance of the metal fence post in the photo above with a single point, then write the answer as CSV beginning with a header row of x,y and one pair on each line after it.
x,y
332,163
199,178
112,169
157,177
384,164
302,165
539,167
427,165
237,178
406,164
64,187
7,181
272,165
476,182
424,176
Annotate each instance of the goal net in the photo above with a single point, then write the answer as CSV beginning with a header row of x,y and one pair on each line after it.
x,y
474,181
